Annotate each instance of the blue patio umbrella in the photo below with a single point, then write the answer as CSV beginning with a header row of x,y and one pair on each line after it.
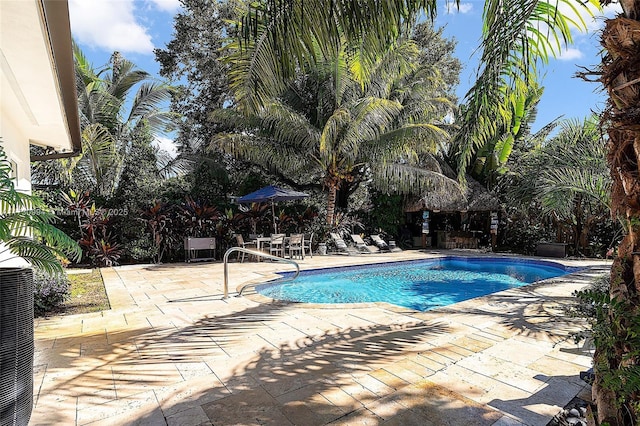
x,y
271,194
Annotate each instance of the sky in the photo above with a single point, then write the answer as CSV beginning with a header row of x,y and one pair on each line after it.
x,y
136,27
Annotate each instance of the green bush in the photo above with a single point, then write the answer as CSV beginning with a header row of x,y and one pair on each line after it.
x,y
386,214
50,291
142,249
611,327
522,232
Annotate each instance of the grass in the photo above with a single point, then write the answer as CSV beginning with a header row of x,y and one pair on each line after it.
x,y
87,294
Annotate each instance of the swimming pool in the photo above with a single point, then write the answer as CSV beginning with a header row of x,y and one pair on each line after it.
x,y
419,285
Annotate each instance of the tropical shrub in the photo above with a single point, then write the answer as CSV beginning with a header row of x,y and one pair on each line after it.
x,y
50,290
386,214
605,319
255,219
345,225
142,249
301,217
97,240
105,252
158,220
523,231
25,216
198,219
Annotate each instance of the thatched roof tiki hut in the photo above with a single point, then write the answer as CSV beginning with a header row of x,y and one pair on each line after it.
x,y
454,220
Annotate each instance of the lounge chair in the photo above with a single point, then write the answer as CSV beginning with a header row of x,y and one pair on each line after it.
x,y
380,243
361,246
341,246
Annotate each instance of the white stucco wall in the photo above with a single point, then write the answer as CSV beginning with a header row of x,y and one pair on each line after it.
x,y
16,146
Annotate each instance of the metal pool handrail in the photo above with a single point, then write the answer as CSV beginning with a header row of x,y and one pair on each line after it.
x,y
255,253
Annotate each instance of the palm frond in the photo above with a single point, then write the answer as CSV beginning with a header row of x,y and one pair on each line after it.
x,y
405,179
99,154
335,126
517,33
267,154
289,126
422,137
147,105
124,78
277,40
571,164
37,254
566,181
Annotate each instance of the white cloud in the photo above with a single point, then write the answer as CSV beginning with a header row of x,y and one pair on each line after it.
x,y
451,8
596,23
465,7
170,6
110,25
570,54
166,144
588,20
592,17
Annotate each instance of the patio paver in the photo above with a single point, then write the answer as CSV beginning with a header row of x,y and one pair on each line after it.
x,y
171,351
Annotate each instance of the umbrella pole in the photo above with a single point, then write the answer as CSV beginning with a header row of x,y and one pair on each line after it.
x,y
273,214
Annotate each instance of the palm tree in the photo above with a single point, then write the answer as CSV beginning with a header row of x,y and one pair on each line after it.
x,y
110,116
328,125
619,75
566,177
518,35
275,39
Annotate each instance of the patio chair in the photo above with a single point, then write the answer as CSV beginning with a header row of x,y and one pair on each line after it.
x,y
307,245
341,246
276,245
296,246
361,246
244,244
380,243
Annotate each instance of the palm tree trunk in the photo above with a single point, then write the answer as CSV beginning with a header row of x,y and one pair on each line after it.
x,y
579,225
621,77
331,204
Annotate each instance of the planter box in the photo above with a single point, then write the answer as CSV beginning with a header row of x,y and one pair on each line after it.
x,y
551,249
193,246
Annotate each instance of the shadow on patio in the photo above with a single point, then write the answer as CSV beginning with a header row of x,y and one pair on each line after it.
x,y
113,373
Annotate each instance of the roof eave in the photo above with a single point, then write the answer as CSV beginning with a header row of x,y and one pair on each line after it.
x,y
55,18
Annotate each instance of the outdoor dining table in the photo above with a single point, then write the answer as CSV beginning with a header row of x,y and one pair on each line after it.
x,y
260,243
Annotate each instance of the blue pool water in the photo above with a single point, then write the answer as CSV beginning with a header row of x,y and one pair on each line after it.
x,y
419,285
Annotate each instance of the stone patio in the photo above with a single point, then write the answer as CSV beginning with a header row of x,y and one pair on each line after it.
x,y
172,351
